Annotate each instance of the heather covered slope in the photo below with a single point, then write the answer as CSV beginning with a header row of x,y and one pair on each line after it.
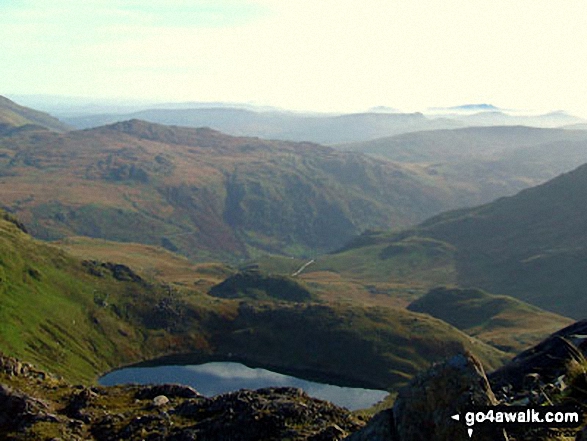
x,y
205,194
14,115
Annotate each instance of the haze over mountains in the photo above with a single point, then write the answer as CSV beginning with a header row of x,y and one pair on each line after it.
x,y
272,123
488,162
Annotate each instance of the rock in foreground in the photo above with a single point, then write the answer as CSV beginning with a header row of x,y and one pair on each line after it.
x,y
41,407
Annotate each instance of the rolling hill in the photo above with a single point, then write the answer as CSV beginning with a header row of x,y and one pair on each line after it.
x,y
501,321
205,194
14,115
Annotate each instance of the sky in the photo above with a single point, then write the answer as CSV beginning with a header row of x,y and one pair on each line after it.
x,y
305,55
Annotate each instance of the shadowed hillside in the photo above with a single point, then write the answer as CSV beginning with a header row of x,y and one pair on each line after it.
x,y
502,321
531,246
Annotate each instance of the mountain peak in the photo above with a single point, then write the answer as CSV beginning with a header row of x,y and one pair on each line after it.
x,y
476,107
158,132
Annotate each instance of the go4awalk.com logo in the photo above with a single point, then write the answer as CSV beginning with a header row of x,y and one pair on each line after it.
x,y
520,417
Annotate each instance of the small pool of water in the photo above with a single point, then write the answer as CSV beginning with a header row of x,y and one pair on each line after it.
x,y
220,377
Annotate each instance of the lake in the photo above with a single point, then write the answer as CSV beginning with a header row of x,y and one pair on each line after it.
x,y
220,377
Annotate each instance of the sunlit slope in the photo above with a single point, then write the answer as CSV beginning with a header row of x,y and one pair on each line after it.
x,y
206,194
49,310
14,115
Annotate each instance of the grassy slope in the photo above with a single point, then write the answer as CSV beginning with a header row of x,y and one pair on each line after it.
x,y
48,314
13,114
150,261
491,318
56,314
384,269
374,269
379,347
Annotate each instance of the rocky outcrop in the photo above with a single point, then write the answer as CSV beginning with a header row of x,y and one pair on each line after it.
x,y
424,408
160,412
267,414
19,410
552,372
169,390
546,362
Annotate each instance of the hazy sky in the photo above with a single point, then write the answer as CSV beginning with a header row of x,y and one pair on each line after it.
x,y
301,54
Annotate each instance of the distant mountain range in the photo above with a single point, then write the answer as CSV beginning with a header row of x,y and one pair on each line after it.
x,y
324,129
466,108
485,162
241,119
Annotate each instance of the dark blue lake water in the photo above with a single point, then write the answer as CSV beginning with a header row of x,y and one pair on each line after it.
x,y
220,377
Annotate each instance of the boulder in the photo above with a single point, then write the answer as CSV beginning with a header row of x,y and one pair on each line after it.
x,y
424,408
169,390
549,360
160,400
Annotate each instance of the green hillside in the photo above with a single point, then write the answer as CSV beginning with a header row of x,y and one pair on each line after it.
x,y
82,318
14,115
51,312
